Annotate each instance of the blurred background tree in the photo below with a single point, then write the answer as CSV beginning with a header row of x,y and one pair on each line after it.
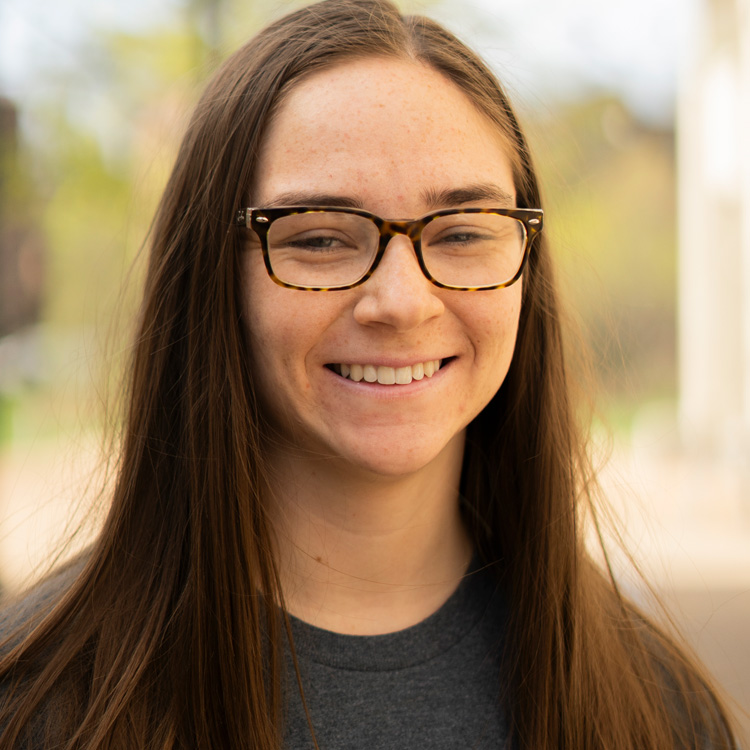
x,y
610,180
21,266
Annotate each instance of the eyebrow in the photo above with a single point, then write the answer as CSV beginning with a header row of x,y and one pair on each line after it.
x,y
484,191
434,199
314,199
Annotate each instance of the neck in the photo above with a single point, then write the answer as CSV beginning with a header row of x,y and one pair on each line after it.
x,y
364,554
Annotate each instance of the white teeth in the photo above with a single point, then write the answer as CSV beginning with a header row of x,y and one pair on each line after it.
x,y
389,375
386,375
403,375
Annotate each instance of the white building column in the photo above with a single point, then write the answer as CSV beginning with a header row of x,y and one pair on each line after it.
x,y
744,103
713,130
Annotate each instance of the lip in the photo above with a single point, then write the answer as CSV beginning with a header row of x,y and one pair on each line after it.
x,y
388,362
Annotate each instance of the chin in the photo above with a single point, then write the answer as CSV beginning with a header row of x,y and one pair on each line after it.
x,y
396,462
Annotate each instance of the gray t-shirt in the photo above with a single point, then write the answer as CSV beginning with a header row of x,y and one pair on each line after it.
x,y
435,685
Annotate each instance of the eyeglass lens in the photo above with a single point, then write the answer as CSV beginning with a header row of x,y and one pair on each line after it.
x,y
327,248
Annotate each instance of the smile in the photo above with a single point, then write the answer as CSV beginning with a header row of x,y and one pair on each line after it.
x,y
387,375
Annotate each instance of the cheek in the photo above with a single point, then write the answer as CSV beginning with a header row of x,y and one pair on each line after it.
x,y
265,326
271,343
496,326
503,335
283,326
255,312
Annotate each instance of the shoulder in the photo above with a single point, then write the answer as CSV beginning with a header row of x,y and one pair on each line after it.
x,y
23,655
693,703
19,614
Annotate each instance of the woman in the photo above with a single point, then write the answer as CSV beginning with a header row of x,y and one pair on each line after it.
x,y
333,417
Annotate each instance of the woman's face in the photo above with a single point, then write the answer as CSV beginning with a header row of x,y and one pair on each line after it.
x,y
395,138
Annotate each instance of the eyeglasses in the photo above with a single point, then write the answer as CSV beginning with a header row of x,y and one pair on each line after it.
x,y
317,248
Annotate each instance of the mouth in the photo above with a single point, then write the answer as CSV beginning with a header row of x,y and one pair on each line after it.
x,y
388,375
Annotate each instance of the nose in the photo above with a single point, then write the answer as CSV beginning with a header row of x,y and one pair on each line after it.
x,y
398,294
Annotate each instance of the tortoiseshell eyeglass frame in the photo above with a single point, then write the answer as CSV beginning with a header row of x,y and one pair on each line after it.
x,y
260,220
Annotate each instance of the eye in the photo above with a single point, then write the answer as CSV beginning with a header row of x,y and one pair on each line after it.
x,y
462,235
481,231
319,241
318,233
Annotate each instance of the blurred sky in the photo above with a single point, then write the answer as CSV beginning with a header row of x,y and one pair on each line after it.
x,y
542,47
561,49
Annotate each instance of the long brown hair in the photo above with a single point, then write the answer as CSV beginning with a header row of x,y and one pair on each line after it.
x,y
165,639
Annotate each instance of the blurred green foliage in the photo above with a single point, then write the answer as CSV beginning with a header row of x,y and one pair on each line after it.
x,y
610,186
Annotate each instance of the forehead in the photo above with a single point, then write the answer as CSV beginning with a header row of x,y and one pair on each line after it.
x,y
378,127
